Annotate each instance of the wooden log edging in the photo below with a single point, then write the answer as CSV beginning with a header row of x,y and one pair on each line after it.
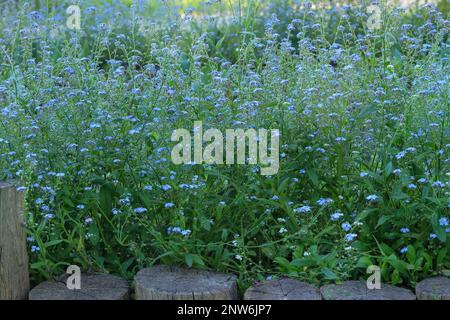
x,y
282,289
357,290
93,287
14,276
437,288
176,283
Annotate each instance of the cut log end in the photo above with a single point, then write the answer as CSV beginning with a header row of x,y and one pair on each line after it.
x,y
93,287
176,283
437,288
282,289
357,290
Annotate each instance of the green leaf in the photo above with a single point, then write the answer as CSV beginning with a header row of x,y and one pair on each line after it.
x,y
224,235
304,262
365,213
100,261
189,259
367,111
411,254
312,175
53,243
398,195
399,265
395,277
125,265
386,250
282,262
437,228
205,223
105,199
441,256
382,220
364,262
219,43
283,185
198,261
65,199
37,265
146,200
388,169
328,274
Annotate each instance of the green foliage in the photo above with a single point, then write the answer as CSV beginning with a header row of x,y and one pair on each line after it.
x,y
87,116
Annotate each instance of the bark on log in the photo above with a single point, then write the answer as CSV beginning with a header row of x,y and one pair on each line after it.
x,y
14,277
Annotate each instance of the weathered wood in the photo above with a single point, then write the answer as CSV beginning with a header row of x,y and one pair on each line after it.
x,y
175,283
282,289
93,287
14,278
437,288
357,290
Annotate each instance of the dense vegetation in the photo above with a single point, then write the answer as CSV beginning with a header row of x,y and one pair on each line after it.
x,y
87,116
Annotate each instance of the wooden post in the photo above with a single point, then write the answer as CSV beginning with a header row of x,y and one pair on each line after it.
x,y
14,277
